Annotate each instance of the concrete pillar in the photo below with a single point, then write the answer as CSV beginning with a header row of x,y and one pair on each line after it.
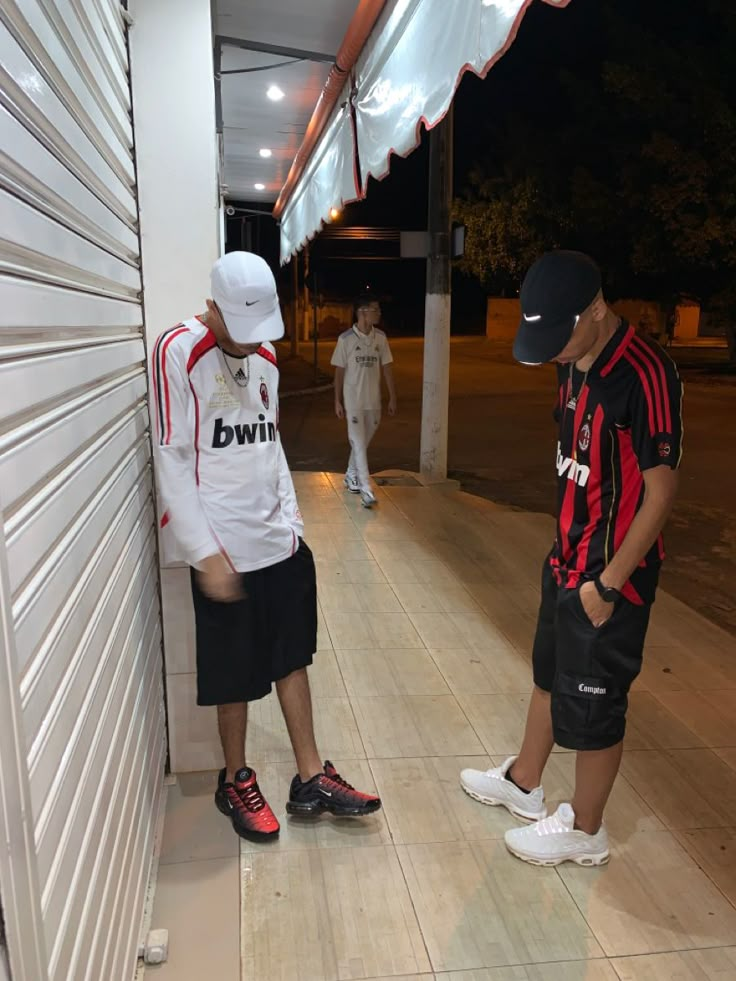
x,y
436,384
181,230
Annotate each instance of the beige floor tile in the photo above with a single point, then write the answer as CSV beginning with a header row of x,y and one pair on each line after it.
x,y
725,704
422,598
197,902
350,630
325,678
479,633
400,672
626,812
267,739
656,675
469,672
703,714
177,613
194,830
414,551
650,725
437,630
363,571
193,740
326,831
687,788
499,720
652,897
718,964
566,971
336,729
359,598
327,915
425,803
413,726
729,756
363,631
478,907
696,667
324,641
431,571
714,850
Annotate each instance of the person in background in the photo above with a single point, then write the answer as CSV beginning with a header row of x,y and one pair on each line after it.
x,y
361,355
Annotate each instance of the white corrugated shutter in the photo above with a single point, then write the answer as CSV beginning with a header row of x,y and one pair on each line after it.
x,y
75,479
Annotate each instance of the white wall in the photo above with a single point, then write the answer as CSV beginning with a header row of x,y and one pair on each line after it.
x,y
181,227
174,118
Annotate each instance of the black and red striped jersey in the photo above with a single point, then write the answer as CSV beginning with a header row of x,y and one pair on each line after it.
x,y
624,418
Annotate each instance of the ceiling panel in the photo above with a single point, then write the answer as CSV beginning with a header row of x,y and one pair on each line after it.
x,y
251,120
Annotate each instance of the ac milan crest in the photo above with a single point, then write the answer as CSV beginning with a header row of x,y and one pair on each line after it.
x,y
264,394
584,437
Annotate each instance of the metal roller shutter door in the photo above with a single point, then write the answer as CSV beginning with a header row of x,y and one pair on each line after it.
x,y
75,475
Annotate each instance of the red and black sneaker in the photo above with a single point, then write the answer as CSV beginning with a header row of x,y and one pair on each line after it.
x,y
245,805
329,792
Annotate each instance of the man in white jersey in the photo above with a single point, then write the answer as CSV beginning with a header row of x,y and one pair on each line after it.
x,y
230,512
361,353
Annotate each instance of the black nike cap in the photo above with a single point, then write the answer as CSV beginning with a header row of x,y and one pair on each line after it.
x,y
558,288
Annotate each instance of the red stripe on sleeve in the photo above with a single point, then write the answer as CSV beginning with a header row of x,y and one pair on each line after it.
x,y
265,353
165,380
646,385
200,349
661,378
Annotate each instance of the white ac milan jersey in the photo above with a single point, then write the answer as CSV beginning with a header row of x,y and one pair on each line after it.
x,y
223,480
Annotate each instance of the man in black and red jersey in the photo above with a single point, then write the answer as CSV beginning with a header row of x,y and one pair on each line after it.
x,y
229,511
619,411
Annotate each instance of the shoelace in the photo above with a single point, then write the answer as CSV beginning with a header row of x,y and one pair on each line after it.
x,y
336,779
250,798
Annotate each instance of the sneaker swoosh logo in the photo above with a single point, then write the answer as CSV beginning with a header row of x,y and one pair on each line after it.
x,y
325,792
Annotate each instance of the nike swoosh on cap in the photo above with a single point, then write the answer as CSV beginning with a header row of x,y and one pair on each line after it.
x,y
531,320
252,303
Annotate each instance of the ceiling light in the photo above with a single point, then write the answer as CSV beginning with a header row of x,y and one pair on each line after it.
x,y
265,153
260,187
274,93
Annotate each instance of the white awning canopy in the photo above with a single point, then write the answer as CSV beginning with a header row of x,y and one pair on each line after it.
x,y
405,76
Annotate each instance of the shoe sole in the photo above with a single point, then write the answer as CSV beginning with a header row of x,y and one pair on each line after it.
x,y
353,490
369,505
495,802
318,807
257,836
588,861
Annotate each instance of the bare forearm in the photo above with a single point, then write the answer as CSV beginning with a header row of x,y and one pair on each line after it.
x,y
339,381
643,533
390,383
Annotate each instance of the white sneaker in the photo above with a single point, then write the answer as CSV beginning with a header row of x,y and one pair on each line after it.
x,y
368,499
492,787
554,840
351,482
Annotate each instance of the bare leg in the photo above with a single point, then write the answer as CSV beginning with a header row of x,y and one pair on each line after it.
x,y
538,742
595,774
296,704
231,721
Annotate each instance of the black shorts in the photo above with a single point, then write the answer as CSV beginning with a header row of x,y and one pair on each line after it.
x,y
587,669
243,647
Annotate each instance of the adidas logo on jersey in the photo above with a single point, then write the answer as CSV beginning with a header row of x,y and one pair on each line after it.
x,y
257,432
573,470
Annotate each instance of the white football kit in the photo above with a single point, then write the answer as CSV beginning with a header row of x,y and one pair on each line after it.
x,y
362,356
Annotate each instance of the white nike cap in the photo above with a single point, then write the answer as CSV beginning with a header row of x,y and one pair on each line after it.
x,y
244,289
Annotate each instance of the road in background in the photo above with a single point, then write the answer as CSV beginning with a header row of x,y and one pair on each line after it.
x,y
502,447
